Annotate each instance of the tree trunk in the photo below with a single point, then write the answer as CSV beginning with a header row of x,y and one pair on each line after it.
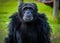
x,y
56,8
20,2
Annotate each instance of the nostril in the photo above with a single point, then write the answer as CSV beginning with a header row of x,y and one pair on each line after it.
x,y
28,12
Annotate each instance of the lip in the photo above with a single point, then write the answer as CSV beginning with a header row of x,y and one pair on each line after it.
x,y
28,18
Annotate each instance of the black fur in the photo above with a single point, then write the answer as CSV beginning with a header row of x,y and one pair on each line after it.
x,y
33,32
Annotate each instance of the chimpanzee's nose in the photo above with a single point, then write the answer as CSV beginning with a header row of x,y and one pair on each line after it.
x,y
28,14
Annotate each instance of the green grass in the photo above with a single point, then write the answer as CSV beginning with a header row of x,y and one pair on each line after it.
x,y
9,7
6,10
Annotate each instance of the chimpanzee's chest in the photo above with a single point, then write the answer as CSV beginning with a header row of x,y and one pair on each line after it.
x,y
30,35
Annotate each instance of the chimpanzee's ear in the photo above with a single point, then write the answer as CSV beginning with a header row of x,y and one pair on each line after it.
x,y
20,6
35,6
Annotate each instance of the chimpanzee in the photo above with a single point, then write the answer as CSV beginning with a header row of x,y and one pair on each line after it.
x,y
28,26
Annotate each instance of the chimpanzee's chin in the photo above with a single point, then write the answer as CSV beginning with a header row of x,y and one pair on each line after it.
x,y
28,21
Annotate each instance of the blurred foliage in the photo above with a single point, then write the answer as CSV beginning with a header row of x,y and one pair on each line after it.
x,y
59,18
8,7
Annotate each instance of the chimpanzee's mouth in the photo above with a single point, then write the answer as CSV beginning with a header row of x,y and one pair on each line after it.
x,y
27,19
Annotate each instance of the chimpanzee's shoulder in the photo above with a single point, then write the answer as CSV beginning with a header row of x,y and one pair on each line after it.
x,y
42,16
14,18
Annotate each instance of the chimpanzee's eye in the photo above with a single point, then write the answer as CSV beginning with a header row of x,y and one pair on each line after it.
x,y
28,8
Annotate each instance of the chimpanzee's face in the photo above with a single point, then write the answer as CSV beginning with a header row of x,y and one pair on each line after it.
x,y
28,12
27,15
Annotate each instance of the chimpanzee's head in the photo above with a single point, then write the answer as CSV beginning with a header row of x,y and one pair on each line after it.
x,y
27,12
